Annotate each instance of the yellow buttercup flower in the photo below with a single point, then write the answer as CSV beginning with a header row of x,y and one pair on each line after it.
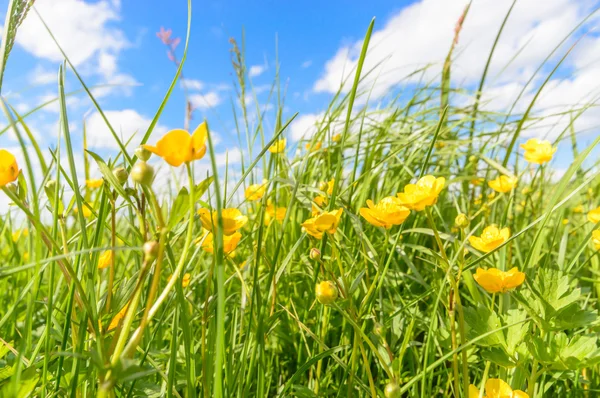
x,y
538,151
386,213
120,315
336,137
22,233
326,292
272,212
422,194
578,209
497,388
233,219
179,146
278,146
9,169
330,185
503,184
495,281
93,184
477,181
185,281
490,239
321,223
230,242
565,221
594,216
87,210
314,147
256,191
105,259
596,239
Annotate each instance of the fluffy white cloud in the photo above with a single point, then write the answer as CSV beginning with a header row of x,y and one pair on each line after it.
x,y
304,126
205,101
193,84
421,35
126,123
257,70
41,76
83,29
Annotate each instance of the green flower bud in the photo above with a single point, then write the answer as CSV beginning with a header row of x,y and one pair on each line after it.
x,y
121,175
143,154
142,173
461,221
392,390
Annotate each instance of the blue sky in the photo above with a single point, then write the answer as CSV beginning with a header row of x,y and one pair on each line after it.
x,y
113,41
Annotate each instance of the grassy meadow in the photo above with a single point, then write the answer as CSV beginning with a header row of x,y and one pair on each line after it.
x,y
422,247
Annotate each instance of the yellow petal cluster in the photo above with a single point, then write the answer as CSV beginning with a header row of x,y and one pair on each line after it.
x,y
503,184
324,222
495,281
179,146
9,169
497,388
490,239
256,191
230,242
274,213
120,315
386,213
594,216
538,151
278,146
185,281
233,219
314,147
326,292
95,183
422,194
105,259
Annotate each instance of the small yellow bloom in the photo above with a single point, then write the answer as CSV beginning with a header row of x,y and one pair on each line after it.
x,y
386,213
503,184
594,216
313,148
490,239
272,212
278,146
565,221
494,281
330,185
324,222
185,282
9,169
336,137
422,194
230,242
93,184
497,388
26,256
326,292
16,235
526,190
477,181
179,146
233,219
578,209
105,259
596,239
87,210
256,191
538,151
120,315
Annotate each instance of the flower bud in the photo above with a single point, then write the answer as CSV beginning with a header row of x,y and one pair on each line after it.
x,y
323,186
336,137
392,390
315,254
150,249
50,186
461,221
143,154
13,188
379,329
326,292
472,159
121,175
142,173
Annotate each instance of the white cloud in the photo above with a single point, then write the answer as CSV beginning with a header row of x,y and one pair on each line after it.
x,y
84,30
306,64
257,70
126,123
304,126
41,76
205,101
421,34
193,84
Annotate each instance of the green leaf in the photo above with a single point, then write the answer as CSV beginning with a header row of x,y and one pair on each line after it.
x,y
480,321
515,334
498,356
201,188
180,207
109,176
